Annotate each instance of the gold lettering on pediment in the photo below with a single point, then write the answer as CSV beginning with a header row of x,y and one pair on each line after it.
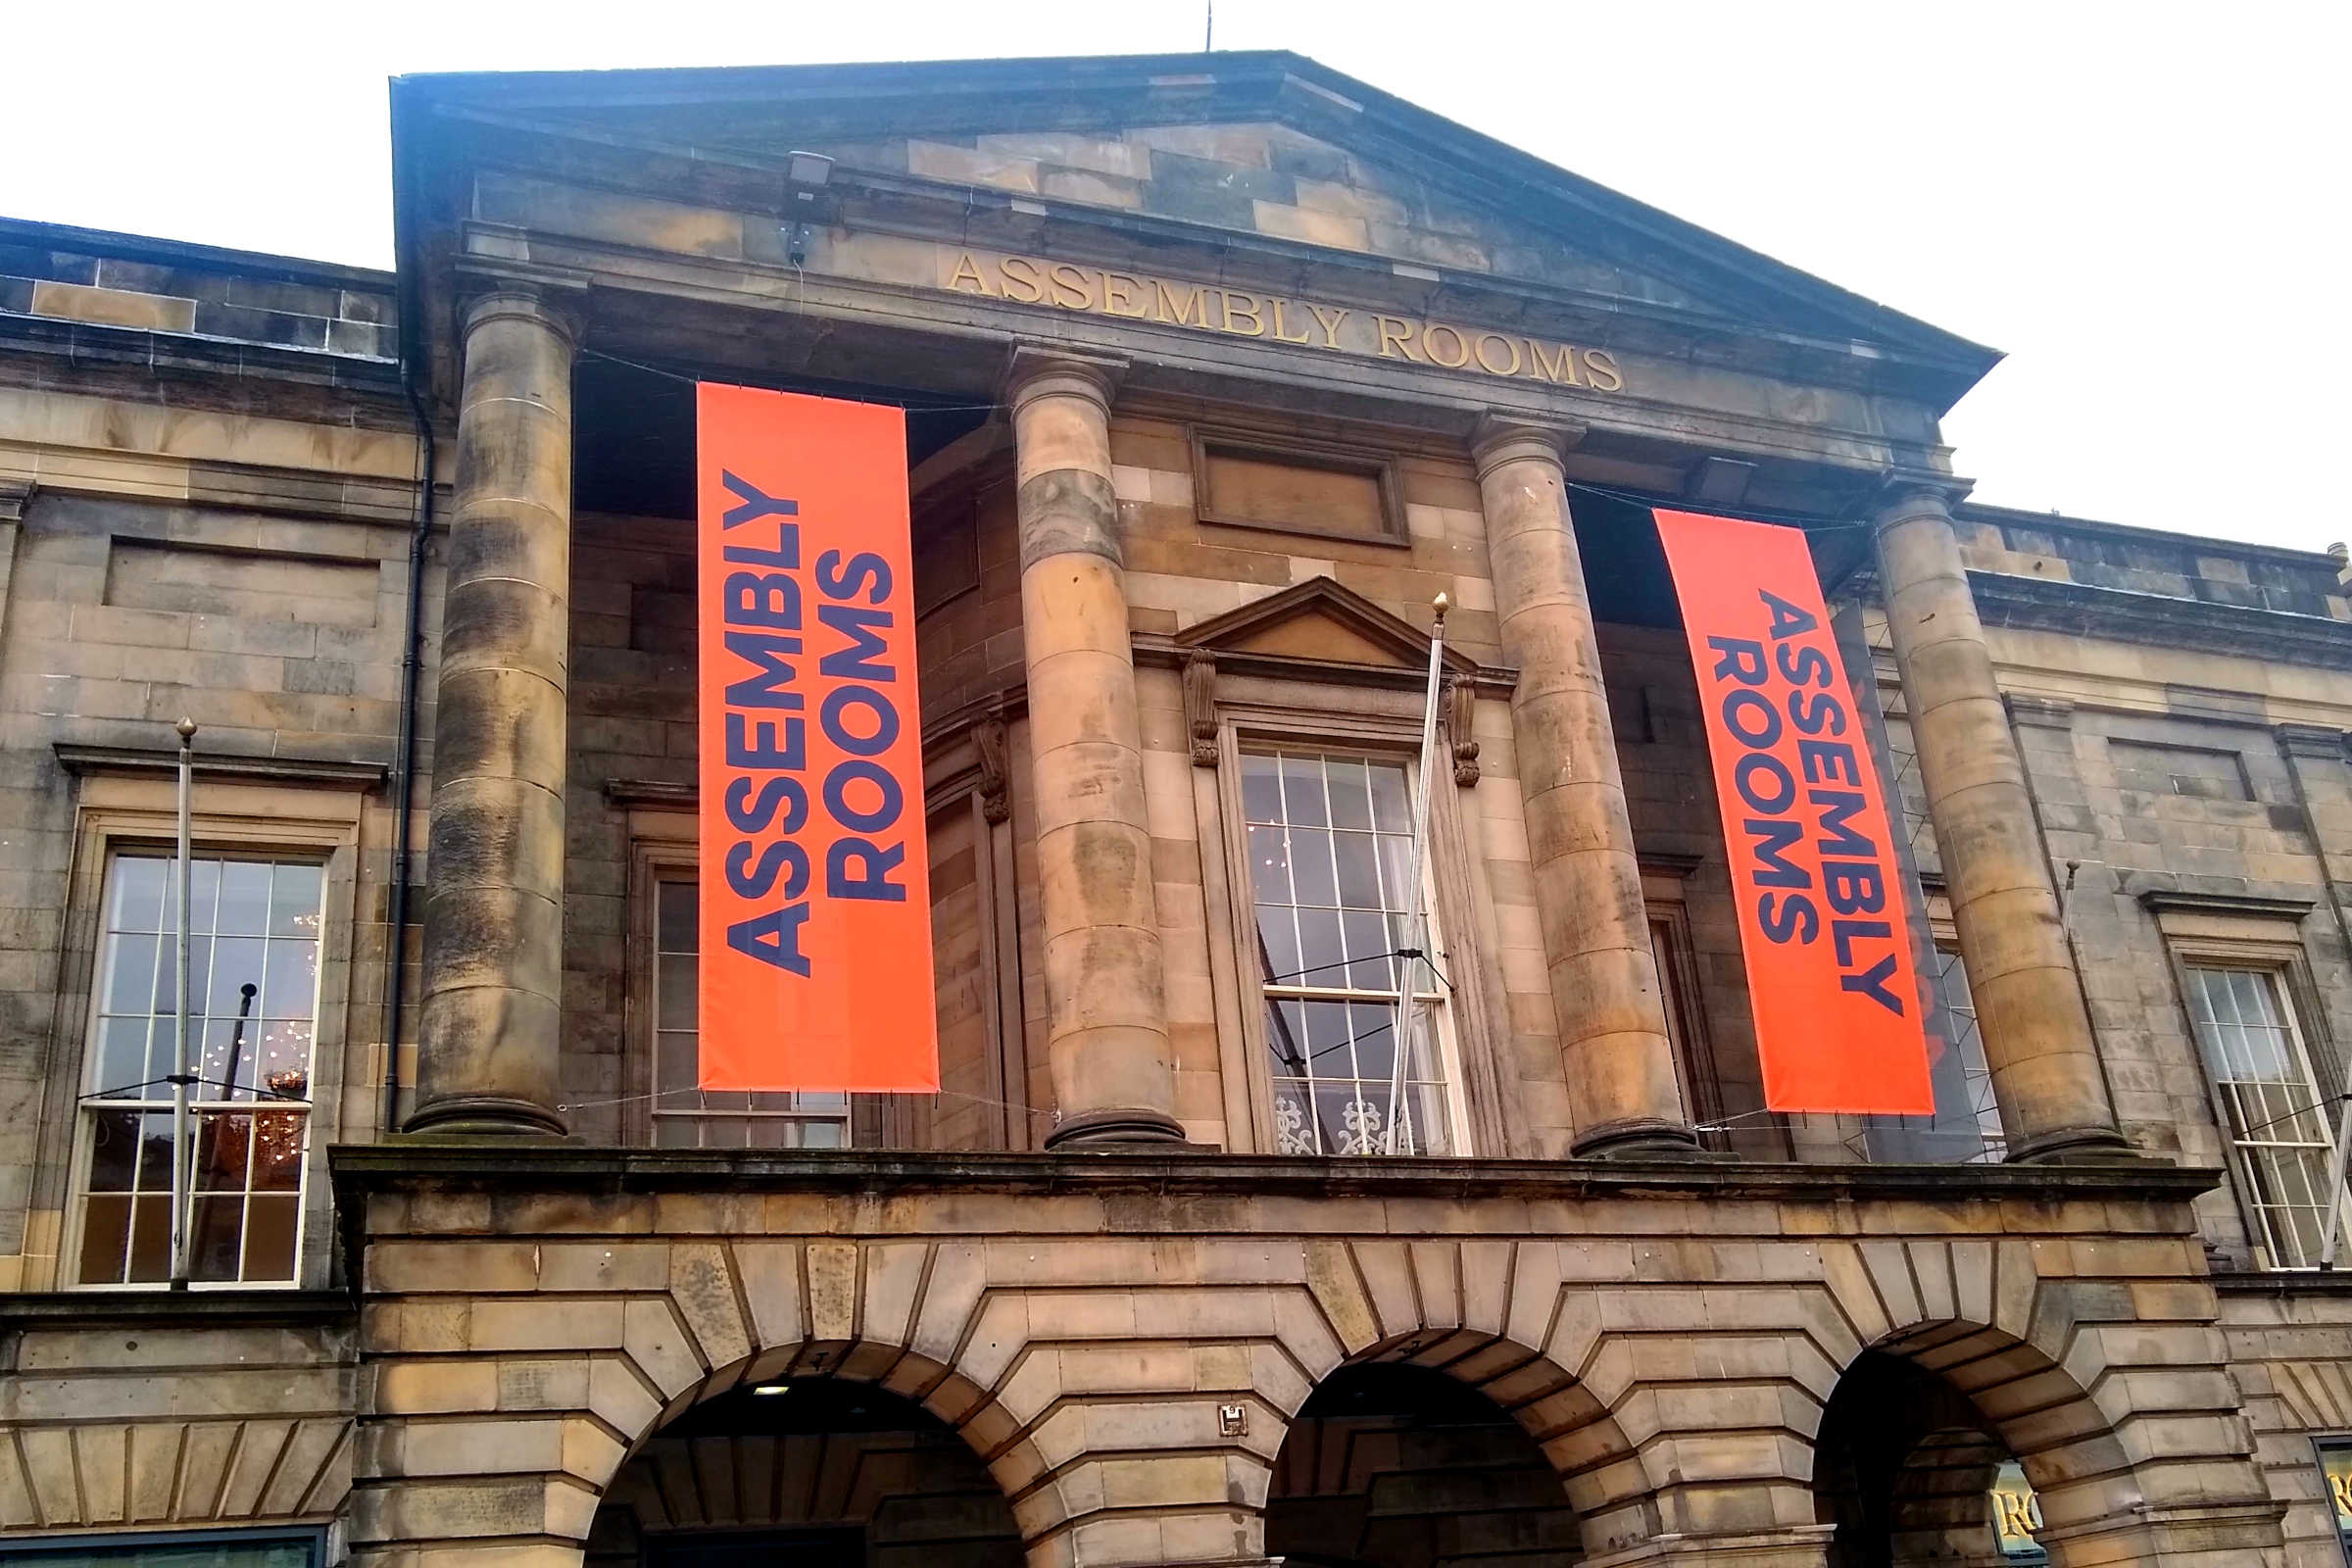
x,y
1276,318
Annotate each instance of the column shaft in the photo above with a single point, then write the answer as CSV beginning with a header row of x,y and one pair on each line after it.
x,y
1104,984
2029,1012
1605,976
491,1025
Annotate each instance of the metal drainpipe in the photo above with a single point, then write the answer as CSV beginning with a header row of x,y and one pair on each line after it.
x,y
411,669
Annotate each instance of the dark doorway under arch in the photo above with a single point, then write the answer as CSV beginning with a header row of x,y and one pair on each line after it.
x,y
819,1472
1905,1467
1393,1467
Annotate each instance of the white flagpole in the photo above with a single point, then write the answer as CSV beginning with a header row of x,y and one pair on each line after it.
x,y
2335,1182
181,1175
1417,916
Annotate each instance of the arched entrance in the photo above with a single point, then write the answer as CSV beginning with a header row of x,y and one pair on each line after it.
x,y
1389,1465
822,1472
1908,1468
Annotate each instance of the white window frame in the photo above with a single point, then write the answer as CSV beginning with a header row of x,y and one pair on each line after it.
x,y
2276,971
234,820
89,1106
1372,739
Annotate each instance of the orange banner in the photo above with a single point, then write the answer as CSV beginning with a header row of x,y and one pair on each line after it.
x,y
1823,914
815,900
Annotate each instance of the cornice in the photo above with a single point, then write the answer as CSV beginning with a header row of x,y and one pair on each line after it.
x,y
2188,900
317,772
2160,620
82,1310
420,1163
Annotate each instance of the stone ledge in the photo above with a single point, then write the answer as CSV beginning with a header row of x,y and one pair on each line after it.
x,y
331,772
2283,1281
412,1163
2004,599
163,1308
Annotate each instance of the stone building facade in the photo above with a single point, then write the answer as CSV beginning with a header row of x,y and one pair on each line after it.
x,y
1219,369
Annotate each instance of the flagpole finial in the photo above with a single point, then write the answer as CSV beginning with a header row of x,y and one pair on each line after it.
x,y
186,728
1440,604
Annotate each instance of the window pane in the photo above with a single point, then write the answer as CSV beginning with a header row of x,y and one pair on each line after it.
x,y
113,1151
281,1059
1372,964
296,893
244,908
137,894
1270,865
1321,953
105,1239
236,980
1331,866
1302,802
1278,941
2270,1104
674,991
271,1224
278,1149
131,985
1390,811
252,991
150,1239
214,1237
223,1143
290,979
122,1056
1312,878
155,1154
677,917
1261,789
1359,868
1351,793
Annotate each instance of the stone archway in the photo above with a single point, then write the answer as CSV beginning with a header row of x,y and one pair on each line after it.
x,y
1393,1465
824,1470
1500,1320
1920,1421
1903,1470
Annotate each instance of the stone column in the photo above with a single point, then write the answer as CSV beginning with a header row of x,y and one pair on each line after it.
x,y
491,1025
1605,977
1104,988
2045,1067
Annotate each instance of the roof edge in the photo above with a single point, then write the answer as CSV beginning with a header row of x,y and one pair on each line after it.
x,y
158,249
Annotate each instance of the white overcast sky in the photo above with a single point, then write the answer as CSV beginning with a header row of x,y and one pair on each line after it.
x,y
2143,204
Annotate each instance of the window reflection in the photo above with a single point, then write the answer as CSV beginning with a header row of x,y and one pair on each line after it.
x,y
253,995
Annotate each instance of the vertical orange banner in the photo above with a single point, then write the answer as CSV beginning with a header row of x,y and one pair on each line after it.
x,y
1823,917
816,963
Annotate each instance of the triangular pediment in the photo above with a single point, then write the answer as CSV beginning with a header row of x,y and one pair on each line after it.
x,y
1323,622
1267,145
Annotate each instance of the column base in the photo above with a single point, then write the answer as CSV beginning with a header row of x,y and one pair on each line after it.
x,y
484,1116
2079,1146
1644,1138
1119,1126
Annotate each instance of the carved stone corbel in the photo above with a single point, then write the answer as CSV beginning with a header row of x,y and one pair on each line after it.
x,y
995,778
1457,715
1200,705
